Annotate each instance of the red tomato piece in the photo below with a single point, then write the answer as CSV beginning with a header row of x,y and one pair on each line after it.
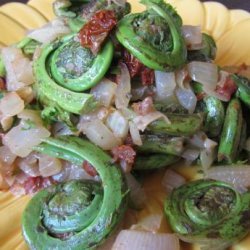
x,y
93,33
124,152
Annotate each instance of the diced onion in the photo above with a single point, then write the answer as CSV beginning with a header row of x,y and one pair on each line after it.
x,y
32,115
100,135
99,114
143,121
205,73
49,166
50,31
21,139
190,154
71,171
192,36
135,240
26,93
6,156
172,180
11,104
137,193
207,158
135,134
165,85
6,122
18,69
200,140
29,165
118,124
123,91
150,223
237,175
104,92
186,98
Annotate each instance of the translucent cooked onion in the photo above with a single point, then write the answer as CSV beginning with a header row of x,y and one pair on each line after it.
x,y
165,85
22,138
172,180
50,31
98,133
27,94
192,36
104,92
142,122
137,193
135,134
186,98
18,69
11,104
207,157
49,166
32,115
118,124
6,122
71,171
150,223
237,175
99,114
123,91
190,154
205,73
29,165
135,240
6,156
184,92
200,140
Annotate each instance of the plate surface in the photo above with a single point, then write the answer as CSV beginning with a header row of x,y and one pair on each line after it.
x,y
230,28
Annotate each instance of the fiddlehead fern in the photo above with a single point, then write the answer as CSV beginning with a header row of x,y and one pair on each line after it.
x,y
77,214
64,68
208,212
154,36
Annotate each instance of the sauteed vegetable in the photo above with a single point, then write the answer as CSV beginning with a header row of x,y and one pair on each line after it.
x,y
101,98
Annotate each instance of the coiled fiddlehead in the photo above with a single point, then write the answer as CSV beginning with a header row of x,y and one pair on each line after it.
x,y
64,68
209,212
154,36
77,214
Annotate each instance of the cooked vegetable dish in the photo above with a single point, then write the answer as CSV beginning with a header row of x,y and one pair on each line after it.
x,y
100,99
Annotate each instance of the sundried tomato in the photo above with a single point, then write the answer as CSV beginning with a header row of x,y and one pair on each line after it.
x,y
136,68
93,33
133,64
89,168
124,152
147,76
2,84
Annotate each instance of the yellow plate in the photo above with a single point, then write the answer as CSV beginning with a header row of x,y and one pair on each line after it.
x,y
230,28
